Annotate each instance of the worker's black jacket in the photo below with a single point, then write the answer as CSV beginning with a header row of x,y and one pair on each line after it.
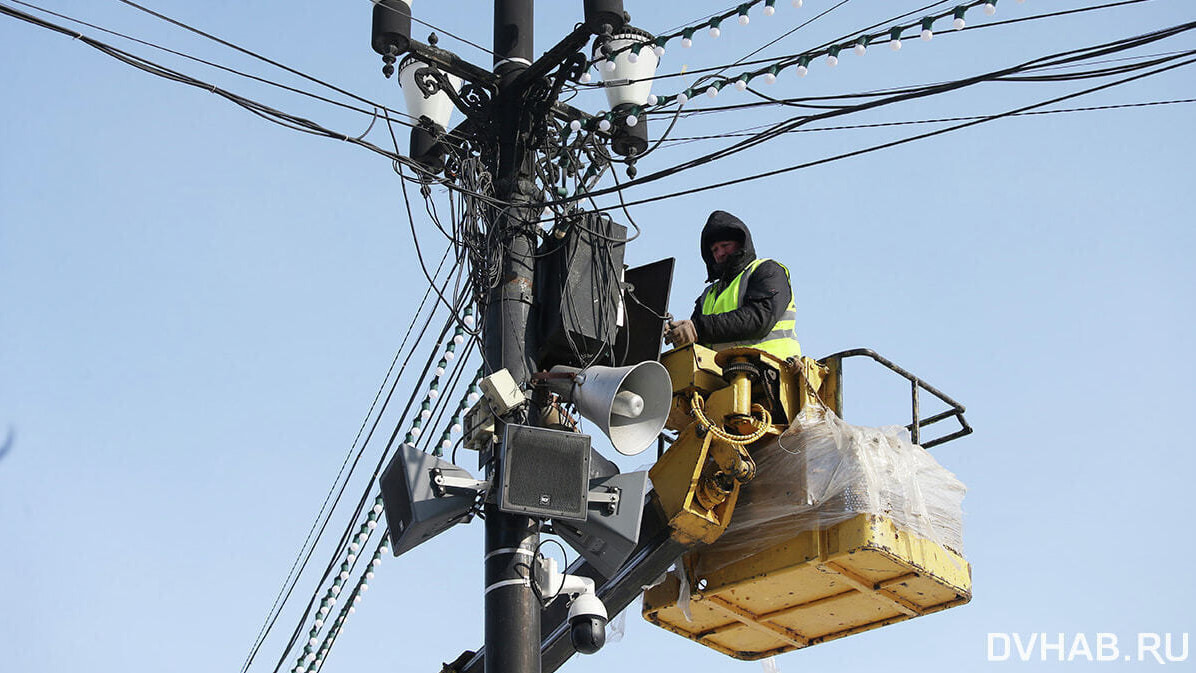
x,y
768,291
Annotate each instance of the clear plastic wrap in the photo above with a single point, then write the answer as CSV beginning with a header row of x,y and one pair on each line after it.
x,y
823,471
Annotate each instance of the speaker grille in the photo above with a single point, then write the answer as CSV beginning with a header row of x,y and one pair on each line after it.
x,y
545,472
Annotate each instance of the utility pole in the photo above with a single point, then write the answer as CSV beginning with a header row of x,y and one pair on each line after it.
x,y
506,111
512,611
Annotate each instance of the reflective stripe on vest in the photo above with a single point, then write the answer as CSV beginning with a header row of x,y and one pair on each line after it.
x,y
781,340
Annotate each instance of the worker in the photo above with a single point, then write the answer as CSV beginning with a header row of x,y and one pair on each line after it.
x,y
749,301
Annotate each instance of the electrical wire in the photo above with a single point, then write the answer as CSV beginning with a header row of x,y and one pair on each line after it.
x,y
234,71
940,120
287,583
909,139
257,56
782,127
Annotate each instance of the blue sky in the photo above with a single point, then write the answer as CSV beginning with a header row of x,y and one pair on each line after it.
x,y
199,306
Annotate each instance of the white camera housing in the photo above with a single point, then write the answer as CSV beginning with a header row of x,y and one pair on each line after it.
x,y
587,612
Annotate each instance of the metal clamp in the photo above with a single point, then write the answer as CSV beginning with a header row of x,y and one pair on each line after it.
x,y
442,484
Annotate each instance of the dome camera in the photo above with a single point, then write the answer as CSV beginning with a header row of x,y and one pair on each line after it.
x,y
587,613
587,622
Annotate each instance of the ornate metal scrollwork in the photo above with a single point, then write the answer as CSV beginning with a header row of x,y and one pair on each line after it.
x,y
474,99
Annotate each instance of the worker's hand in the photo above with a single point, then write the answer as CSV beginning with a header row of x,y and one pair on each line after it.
x,y
681,333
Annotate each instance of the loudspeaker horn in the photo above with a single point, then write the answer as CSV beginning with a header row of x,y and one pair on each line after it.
x,y
608,536
630,404
415,512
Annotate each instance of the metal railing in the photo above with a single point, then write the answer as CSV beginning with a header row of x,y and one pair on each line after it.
x,y
834,363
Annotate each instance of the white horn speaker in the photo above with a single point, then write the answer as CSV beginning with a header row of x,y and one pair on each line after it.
x,y
630,404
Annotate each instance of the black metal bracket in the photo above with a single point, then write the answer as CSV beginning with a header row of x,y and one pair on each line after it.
x,y
915,428
474,100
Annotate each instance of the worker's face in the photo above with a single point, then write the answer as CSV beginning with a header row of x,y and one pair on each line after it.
x,y
721,250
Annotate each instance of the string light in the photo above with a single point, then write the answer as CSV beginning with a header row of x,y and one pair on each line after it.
x,y
631,120
585,78
769,10
770,77
604,125
687,38
861,45
959,22
895,39
803,66
714,31
990,8
832,56
743,15
797,4
682,98
741,83
927,33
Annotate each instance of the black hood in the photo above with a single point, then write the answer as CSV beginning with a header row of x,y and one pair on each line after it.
x,y
723,226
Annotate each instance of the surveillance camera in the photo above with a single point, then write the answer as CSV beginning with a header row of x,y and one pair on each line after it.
x,y
587,622
587,614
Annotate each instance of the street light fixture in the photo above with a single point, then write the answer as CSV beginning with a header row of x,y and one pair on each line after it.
x,y
627,74
432,110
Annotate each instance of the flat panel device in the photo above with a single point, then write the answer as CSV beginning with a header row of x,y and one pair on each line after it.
x,y
646,301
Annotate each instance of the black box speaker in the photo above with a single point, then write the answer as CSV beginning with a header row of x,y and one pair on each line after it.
x,y
578,279
544,472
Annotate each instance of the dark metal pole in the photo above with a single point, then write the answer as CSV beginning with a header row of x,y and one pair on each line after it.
x,y
512,611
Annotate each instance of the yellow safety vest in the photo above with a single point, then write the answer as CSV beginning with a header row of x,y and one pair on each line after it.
x,y
781,340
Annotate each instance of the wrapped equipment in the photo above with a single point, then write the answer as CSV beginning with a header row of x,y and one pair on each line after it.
x,y
823,471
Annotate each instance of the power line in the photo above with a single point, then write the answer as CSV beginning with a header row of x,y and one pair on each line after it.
x,y
780,128
902,141
372,114
426,24
288,583
941,120
256,55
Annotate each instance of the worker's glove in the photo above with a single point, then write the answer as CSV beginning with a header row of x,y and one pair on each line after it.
x,y
681,333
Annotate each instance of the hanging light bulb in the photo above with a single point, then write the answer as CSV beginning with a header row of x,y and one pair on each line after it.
x,y
770,77
959,23
769,10
377,509
895,39
714,31
797,4
632,120
319,623
658,50
633,56
415,432
609,65
458,338
803,66
574,126
741,83
604,125
682,98
711,91
832,56
687,38
990,7
371,525
440,367
653,99
743,16
861,45
585,78
927,33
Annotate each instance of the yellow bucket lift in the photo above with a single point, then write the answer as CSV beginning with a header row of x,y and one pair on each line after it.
x,y
818,585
